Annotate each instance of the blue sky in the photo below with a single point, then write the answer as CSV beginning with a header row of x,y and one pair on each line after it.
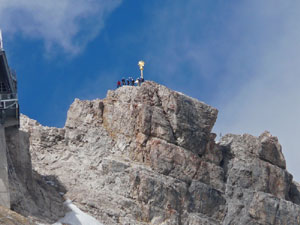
x,y
240,56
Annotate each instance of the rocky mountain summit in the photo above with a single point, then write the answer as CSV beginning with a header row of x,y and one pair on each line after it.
x,y
146,155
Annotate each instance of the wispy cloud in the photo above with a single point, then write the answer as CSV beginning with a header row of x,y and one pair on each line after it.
x,y
246,53
190,43
269,100
68,25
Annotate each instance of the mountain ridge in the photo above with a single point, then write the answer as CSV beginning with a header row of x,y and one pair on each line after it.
x,y
146,155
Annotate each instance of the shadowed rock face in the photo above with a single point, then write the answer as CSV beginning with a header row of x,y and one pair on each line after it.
x,y
146,155
29,193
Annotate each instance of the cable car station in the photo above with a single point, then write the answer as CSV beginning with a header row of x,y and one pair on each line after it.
x,y
9,106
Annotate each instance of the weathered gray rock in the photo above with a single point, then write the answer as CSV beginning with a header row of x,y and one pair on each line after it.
x,y
30,195
156,111
146,155
247,170
267,209
256,183
270,150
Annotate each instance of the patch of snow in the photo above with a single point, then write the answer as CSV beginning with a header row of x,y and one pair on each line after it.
x,y
76,217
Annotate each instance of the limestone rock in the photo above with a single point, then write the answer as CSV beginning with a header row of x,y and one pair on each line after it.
x,y
30,195
266,209
146,155
270,150
156,111
247,170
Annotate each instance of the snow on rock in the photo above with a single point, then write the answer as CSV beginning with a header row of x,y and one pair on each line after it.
x,y
77,217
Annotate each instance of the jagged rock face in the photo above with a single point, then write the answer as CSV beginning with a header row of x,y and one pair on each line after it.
x,y
146,155
29,193
154,111
258,189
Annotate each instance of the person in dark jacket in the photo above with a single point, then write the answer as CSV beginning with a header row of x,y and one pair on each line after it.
x,y
123,81
137,82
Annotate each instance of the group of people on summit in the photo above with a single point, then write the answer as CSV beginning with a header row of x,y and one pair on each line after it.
x,y
130,82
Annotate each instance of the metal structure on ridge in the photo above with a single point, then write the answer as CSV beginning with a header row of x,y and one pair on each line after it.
x,y
141,64
9,104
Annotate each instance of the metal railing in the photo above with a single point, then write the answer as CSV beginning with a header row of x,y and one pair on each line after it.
x,y
8,96
9,104
13,73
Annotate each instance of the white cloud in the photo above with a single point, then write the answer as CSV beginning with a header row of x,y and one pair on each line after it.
x,y
246,53
65,24
269,100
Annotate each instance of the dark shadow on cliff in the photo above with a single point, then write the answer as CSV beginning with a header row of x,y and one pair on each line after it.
x,y
45,199
31,194
294,193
